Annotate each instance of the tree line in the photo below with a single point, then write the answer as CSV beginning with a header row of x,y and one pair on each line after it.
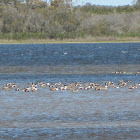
x,y
60,19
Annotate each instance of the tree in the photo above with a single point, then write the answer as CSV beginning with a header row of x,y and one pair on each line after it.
x,y
8,16
137,4
62,4
35,22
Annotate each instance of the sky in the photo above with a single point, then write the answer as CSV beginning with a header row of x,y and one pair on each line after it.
x,y
105,2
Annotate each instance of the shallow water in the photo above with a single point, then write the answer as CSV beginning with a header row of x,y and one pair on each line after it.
x,y
62,114
45,114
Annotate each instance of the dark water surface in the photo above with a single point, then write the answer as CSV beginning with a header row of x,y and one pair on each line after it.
x,y
43,115
69,54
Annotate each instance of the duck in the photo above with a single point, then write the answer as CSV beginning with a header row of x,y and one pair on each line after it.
x,y
80,87
123,72
91,84
43,85
30,84
78,84
17,89
104,87
122,83
106,83
48,84
111,84
34,89
26,89
98,88
54,89
39,83
96,84
7,88
87,87
87,84
69,87
51,86
9,84
116,87
58,84
63,87
132,87
117,72
14,86
137,73
75,90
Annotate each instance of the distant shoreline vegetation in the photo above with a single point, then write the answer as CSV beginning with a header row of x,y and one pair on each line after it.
x,y
59,20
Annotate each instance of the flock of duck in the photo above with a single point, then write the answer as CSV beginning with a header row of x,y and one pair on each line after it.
x,y
124,72
74,87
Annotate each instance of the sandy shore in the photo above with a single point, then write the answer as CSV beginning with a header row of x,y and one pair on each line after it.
x,y
77,40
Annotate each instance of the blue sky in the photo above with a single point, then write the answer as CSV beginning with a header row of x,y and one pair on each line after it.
x,y
104,2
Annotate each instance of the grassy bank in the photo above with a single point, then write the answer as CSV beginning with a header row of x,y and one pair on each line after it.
x,y
77,40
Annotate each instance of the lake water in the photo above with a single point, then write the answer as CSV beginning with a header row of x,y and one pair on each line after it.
x,y
45,114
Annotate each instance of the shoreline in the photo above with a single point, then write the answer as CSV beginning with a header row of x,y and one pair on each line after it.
x,y
78,40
